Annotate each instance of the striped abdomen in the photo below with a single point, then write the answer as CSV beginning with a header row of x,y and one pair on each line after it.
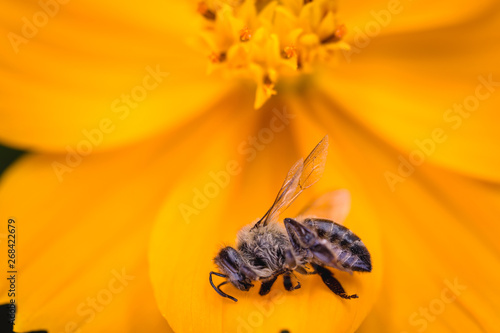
x,y
348,248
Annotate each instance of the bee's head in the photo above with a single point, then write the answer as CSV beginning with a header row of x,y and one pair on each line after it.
x,y
231,264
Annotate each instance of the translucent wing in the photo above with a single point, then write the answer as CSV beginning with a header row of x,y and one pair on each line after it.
x,y
333,206
287,190
302,175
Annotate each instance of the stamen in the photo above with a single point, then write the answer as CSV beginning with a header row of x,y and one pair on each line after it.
x,y
216,58
336,36
340,31
269,86
285,39
289,51
245,34
205,11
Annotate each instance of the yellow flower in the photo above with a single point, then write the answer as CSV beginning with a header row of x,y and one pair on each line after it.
x,y
138,153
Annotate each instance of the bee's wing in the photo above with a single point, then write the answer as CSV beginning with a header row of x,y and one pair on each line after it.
x,y
333,206
301,176
286,192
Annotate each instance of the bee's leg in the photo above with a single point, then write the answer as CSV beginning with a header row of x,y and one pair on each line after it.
x,y
287,282
302,237
266,286
303,270
290,262
332,282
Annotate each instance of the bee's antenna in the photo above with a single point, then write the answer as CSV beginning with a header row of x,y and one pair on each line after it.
x,y
217,289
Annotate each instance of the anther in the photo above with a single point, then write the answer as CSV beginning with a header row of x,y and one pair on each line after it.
x,y
340,31
245,34
267,80
336,36
216,58
205,11
268,86
289,51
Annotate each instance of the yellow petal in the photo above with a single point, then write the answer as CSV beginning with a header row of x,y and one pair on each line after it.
x,y
334,205
81,243
381,17
440,249
121,69
408,88
89,225
209,206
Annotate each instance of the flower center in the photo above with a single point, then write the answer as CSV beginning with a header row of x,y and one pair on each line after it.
x,y
268,41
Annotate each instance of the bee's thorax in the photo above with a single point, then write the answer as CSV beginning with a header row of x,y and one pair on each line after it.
x,y
263,247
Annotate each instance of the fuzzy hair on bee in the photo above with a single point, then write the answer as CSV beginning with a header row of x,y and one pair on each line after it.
x,y
306,244
263,248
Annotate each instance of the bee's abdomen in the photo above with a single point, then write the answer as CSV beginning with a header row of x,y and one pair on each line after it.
x,y
350,251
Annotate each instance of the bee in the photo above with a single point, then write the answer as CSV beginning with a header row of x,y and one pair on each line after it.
x,y
307,245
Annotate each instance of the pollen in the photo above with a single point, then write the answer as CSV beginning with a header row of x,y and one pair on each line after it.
x,y
216,58
269,86
277,40
340,31
205,11
289,52
245,34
